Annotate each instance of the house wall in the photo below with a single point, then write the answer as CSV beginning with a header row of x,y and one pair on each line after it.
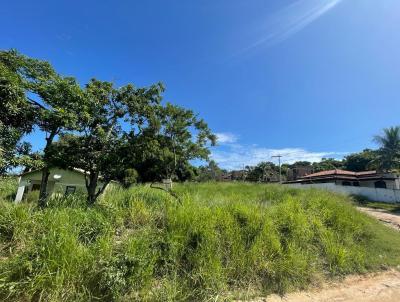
x,y
374,194
69,178
390,184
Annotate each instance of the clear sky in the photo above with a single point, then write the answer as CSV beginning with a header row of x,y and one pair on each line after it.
x,y
305,78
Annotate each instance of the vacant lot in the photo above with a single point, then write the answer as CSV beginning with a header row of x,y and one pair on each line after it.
x,y
216,241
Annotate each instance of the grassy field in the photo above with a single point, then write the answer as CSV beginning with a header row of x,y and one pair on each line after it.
x,y
217,242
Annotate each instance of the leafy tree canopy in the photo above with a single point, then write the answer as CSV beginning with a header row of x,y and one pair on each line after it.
x,y
389,151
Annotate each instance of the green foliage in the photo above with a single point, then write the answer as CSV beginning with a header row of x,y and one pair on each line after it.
x,y
141,245
8,188
264,171
17,115
130,178
327,164
103,130
211,172
40,98
165,151
363,161
389,152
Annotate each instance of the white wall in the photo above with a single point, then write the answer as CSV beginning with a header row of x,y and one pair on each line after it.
x,y
374,194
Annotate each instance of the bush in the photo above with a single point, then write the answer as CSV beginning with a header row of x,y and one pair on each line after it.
x,y
142,245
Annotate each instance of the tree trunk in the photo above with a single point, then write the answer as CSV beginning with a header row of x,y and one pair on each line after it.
x,y
43,187
91,184
45,171
91,188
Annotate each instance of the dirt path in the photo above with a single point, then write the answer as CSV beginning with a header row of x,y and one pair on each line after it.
x,y
379,287
390,219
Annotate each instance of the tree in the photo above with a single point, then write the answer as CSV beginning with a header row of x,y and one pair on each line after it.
x,y
130,177
180,136
114,118
211,172
361,161
17,113
263,172
63,110
99,156
327,164
183,136
389,152
56,102
186,171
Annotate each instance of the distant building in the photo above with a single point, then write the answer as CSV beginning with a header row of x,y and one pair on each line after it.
x,y
299,172
235,175
370,179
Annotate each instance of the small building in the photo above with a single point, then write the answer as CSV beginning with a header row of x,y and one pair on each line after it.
x,y
369,179
61,182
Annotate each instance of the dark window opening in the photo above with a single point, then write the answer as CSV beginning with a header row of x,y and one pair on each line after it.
x,y
356,183
380,184
35,187
70,190
346,183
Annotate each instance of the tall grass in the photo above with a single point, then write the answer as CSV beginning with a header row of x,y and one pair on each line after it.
x,y
8,188
219,241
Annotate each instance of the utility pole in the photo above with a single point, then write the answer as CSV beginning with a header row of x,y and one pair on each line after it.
x,y
280,168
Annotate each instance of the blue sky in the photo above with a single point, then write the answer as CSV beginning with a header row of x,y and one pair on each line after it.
x,y
304,78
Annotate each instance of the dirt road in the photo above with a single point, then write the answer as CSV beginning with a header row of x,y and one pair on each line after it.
x,y
380,287
390,219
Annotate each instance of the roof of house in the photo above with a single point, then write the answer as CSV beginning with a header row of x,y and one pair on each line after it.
x,y
337,172
37,170
343,175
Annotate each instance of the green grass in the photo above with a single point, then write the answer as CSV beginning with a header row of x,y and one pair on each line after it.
x,y
142,244
8,188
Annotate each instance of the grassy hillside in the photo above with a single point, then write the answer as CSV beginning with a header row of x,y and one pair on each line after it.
x,y
218,241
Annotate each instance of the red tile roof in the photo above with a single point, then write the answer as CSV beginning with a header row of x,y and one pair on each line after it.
x,y
340,172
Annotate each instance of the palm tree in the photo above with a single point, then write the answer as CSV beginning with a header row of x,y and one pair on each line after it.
x,y
389,152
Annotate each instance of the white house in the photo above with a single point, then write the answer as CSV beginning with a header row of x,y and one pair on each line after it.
x,y
61,182
369,179
384,187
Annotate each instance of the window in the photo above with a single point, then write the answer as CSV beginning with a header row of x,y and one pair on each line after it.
x,y
380,184
346,183
35,187
356,183
70,190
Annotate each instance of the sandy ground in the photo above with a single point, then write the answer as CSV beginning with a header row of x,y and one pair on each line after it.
x,y
390,219
379,287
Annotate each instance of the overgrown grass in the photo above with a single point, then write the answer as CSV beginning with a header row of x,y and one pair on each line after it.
x,y
143,245
8,188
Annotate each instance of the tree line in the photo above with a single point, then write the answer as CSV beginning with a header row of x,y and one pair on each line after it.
x,y
111,133
384,159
